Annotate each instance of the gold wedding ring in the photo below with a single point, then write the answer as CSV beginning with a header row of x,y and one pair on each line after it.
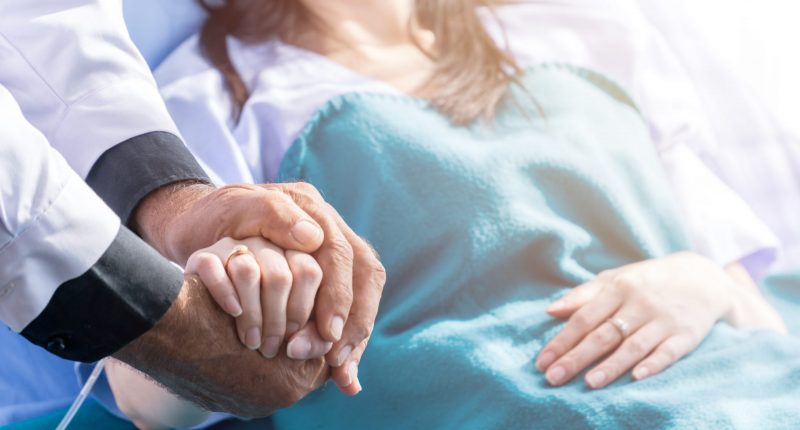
x,y
237,251
621,325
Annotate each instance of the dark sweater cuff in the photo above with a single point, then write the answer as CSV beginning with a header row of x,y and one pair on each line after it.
x,y
131,170
117,300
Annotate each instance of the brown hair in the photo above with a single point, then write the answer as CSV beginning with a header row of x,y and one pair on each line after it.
x,y
471,73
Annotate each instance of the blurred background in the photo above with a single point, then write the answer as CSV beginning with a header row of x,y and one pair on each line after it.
x,y
756,41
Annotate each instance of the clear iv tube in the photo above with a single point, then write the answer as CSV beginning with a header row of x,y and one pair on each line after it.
x,y
84,393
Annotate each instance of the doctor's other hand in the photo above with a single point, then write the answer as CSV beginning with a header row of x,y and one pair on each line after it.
x,y
269,291
644,316
181,218
195,352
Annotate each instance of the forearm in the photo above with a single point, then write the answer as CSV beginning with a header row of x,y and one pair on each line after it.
x,y
148,404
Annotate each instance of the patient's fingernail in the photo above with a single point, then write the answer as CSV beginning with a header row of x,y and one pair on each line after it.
x,y
596,379
271,346
232,306
343,354
358,385
556,375
253,338
557,306
306,233
545,360
291,328
641,373
337,325
299,348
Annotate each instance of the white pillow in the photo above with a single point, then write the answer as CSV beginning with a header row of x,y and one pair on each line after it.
x,y
159,26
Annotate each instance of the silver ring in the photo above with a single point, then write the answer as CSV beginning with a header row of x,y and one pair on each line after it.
x,y
621,325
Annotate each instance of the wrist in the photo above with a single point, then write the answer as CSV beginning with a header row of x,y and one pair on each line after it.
x,y
169,352
144,353
194,351
158,219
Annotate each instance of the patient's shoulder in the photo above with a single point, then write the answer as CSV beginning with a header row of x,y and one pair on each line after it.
x,y
185,61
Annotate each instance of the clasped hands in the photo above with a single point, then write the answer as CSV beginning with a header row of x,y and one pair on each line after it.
x,y
271,292
307,281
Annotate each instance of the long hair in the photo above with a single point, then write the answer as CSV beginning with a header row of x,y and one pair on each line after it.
x,y
471,73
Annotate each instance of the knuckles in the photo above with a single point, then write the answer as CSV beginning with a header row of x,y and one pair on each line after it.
x,y
204,261
305,269
244,269
626,284
636,347
378,275
341,252
277,280
581,321
360,328
604,337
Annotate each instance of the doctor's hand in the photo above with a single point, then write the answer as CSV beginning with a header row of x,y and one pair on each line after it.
x,y
643,316
195,352
181,218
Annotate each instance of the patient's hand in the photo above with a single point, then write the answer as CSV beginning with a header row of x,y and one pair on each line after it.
x,y
646,316
271,293
195,352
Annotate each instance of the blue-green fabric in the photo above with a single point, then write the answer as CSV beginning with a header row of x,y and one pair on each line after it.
x,y
479,229
90,416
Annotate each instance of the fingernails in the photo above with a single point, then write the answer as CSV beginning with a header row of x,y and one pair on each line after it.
x,y
557,306
232,306
555,376
252,338
358,385
306,233
291,328
641,373
352,370
343,354
299,348
545,360
337,325
271,346
597,379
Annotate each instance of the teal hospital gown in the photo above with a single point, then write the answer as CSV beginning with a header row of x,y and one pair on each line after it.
x,y
480,228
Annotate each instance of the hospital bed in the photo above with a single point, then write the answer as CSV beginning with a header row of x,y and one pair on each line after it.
x,y
158,27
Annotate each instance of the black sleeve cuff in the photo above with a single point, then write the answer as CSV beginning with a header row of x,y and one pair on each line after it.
x,y
117,300
129,171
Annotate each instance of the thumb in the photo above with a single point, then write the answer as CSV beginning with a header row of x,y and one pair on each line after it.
x,y
564,307
275,216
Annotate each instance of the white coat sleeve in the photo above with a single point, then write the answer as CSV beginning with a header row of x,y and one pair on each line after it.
x,y
72,279
79,79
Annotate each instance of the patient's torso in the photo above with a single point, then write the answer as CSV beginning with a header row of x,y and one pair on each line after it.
x,y
479,228
468,218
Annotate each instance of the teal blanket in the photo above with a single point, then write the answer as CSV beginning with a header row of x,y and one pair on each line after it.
x,y
479,229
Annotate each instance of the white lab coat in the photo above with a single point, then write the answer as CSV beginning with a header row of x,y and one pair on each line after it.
x,y
72,88
77,76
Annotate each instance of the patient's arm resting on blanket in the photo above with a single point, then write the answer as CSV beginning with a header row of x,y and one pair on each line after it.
x,y
664,307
